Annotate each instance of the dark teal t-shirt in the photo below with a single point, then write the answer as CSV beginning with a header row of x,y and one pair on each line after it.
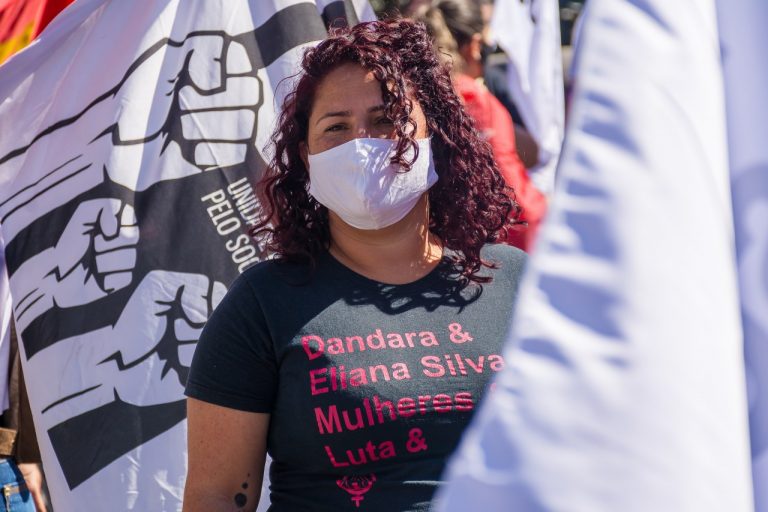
x,y
369,385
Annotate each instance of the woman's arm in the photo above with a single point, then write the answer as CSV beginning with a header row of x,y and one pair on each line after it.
x,y
227,449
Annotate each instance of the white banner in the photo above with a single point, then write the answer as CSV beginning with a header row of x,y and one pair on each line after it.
x,y
625,390
743,40
529,33
130,142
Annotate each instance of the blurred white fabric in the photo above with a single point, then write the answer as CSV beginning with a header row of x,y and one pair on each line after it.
x,y
625,389
743,39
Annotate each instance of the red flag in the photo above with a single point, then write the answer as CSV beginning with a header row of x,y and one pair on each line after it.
x,y
22,20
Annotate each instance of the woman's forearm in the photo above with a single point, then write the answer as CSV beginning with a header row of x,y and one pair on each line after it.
x,y
206,501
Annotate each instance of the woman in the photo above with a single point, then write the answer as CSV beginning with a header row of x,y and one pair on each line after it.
x,y
469,25
357,356
458,26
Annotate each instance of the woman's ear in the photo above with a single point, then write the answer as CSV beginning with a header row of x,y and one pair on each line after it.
x,y
476,47
471,51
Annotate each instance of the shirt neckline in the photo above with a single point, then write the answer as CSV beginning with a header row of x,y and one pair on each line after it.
x,y
444,260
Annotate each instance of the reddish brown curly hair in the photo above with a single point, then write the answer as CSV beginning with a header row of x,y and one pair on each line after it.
x,y
470,205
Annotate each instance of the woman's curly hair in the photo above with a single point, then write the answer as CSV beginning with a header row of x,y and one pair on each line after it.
x,y
469,206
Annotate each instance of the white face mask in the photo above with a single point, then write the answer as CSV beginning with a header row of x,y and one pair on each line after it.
x,y
357,181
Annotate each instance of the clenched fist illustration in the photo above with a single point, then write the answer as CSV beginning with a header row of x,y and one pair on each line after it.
x,y
204,108
173,308
94,256
143,359
182,107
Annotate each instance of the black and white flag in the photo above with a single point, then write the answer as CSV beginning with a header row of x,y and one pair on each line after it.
x,y
131,138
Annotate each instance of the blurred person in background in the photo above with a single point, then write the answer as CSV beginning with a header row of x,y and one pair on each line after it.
x,y
489,63
495,64
458,28
21,476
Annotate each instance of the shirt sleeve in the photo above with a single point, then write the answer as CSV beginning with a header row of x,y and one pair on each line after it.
x,y
234,363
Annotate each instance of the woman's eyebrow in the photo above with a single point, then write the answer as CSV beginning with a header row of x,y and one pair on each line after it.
x,y
347,113
340,113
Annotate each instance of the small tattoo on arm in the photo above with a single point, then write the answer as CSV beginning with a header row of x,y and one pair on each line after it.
x,y
240,498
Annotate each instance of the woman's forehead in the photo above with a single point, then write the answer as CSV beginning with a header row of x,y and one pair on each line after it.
x,y
350,70
348,79
350,84
347,87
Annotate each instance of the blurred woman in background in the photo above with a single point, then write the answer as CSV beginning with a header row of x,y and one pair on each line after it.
x,y
458,29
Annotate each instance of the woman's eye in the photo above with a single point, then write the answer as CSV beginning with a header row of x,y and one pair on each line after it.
x,y
335,128
384,120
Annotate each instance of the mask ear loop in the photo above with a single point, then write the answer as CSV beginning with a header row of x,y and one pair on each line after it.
x,y
417,148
